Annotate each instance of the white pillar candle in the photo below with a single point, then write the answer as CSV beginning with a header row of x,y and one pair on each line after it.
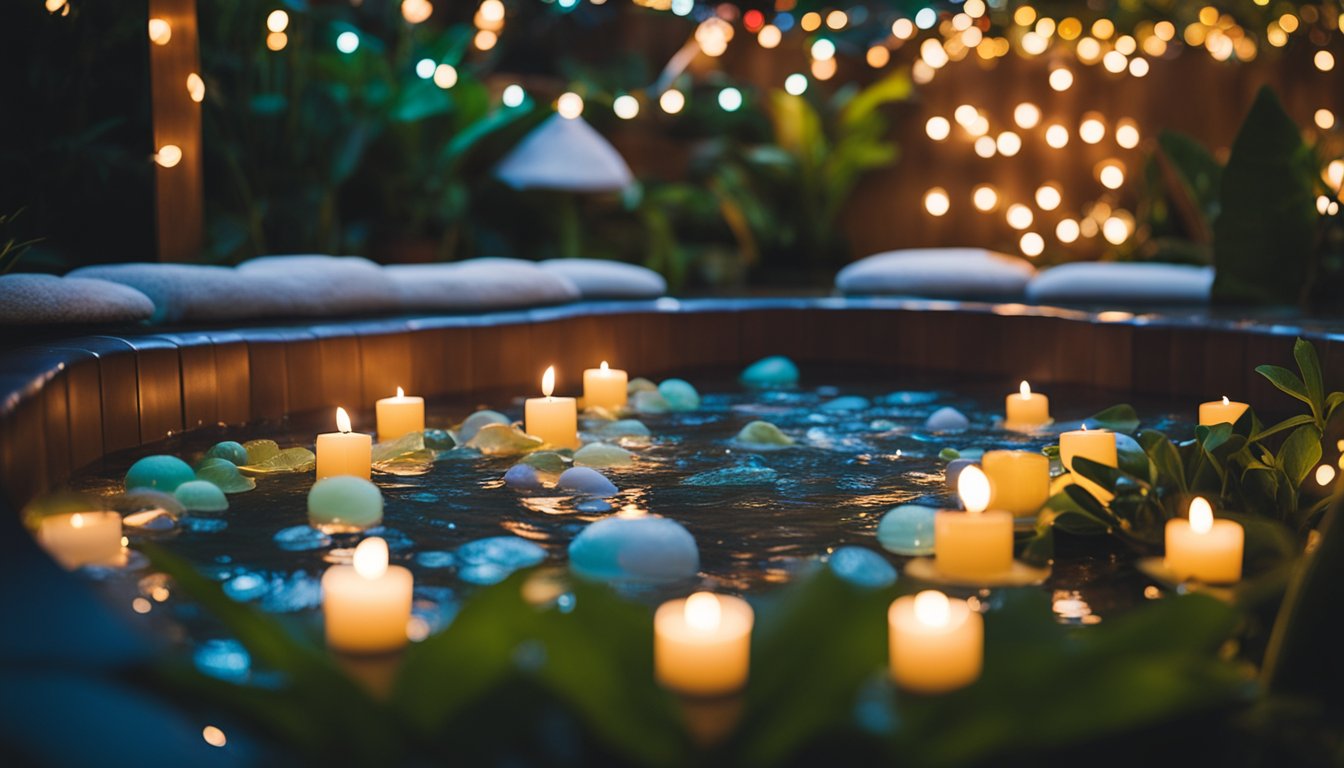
x,y
344,452
1204,549
975,543
399,416
366,605
702,644
936,645
1095,444
1026,409
604,387
554,419
81,538
1221,412
1019,481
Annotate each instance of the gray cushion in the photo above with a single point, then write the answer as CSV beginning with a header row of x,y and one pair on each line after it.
x,y
192,292
958,273
323,286
1122,283
479,284
47,300
605,279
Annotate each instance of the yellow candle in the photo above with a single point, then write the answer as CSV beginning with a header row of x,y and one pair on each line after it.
x,y
1026,408
975,543
554,419
702,644
1204,549
82,538
604,387
399,416
1019,481
344,452
1095,444
1221,412
367,605
937,645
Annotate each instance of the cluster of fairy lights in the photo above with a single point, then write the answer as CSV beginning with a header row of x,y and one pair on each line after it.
x,y
974,31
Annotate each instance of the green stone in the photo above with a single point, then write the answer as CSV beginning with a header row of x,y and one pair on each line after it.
x,y
503,440
161,473
771,372
640,384
680,395
228,450
602,455
545,461
344,504
763,433
296,459
224,475
201,496
259,450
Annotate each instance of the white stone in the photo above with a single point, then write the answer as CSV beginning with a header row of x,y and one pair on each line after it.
x,y
959,273
565,154
479,284
49,300
647,548
946,419
585,482
605,279
1122,283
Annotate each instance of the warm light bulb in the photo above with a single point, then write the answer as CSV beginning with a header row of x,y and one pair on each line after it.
x,y
1111,174
1061,79
485,39
1008,143
401,392
1067,230
214,736
277,21
985,146
569,105
1057,136
548,381
1325,61
1325,474
985,198
168,155
342,420
966,115
713,36
1024,390
491,11
1092,130
416,11
1127,133
1325,119
973,488
195,87
769,36
795,84
938,128
1026,115
1201,515
1019,216
445,76
703,612
370,558
160,32
1048,197
672,101
936,201
76,520
513,95
1032,244
932,608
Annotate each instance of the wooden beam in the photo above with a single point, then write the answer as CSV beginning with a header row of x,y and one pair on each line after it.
x,y
179,190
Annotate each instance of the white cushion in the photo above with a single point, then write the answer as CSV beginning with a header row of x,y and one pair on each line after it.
x,y
46,299
565,154
1123,283
478,284
937,272
605,279
190,292
324,286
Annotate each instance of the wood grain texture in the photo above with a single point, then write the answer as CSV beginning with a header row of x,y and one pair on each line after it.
x,y
179,191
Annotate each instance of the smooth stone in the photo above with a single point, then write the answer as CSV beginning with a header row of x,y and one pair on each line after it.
x,y
545,461
161,473
435,559
510,552
344,504
259,451
593,506
146,500
201,496
907,530
646,401
640,384
586,481
293,459
300,538
623,428
953,471
776,371
602,455
947,419
522,477
225,475
646,548
223,659
763,434
503,440
862,567
680,395
741,475
847,403
475,421
228,450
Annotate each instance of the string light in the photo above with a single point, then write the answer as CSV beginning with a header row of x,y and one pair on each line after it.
x,y
347,42
1111,174
1115,62
1127,133
1019,216
277,21
485,40
1061,79
1325,119
1057,136
795,84
276,41
195,88
837,19
985,198
160,31
1066,231
1048,197
424,68
810,22
569,105
672,101
769,36
936,201
1324,60
1026,115
985,147
713,36
1008,143
903,29
625,106
416,11
168,156
730,99
925,18
445,76
824,69
931,52
878,56
513,95
1032,244
1115,230
1092,129
1138,67
823,50
938,128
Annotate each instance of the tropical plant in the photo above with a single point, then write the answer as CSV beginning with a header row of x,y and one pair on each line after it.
x,y
11,248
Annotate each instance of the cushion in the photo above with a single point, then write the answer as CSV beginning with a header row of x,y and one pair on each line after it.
x,y
325,286
958,273
478,284
46,300
189,292
605,279
1122,283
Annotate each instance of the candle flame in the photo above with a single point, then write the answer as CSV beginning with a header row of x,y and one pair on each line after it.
x,y
401,392
1225,400
1084,427
1201,515
703,611
932,608
371,558
973,488
604,365
548,381
342,420
76,520
1025,390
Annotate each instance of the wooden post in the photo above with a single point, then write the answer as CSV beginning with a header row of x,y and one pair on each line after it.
x,y
179,189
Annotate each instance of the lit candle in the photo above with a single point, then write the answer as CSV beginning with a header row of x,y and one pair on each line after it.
x,y
974,543
1019,481
1221,412
604,387
399,416
937,645
702,644
344,452
554,419
1095,444
1204,549
81,538
1026,409
367,605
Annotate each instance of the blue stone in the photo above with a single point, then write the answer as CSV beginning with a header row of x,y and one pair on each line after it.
x,y
680,395
907,530
862,567
161,473
771,373
644,549
232,452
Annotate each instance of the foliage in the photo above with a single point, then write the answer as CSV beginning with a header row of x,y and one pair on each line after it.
x,y
1179,202
11,249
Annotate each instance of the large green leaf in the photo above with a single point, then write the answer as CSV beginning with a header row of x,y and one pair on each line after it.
x,y
1264,236
1312,378
1194,179
1299,454
893,87
1117,418
1165,458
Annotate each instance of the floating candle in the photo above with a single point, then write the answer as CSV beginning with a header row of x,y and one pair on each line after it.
x,y
399,416
1019,481
605,387
82,538
1202,548
1026,409
936,644
1095,444
1221,412
553,419
366,605
702,644
344,452
975,543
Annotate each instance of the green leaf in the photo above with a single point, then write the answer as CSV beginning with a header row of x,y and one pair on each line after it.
x,y
1117,418
1286,424
1101,474
1170,470
296,459
1300,453
1313,381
